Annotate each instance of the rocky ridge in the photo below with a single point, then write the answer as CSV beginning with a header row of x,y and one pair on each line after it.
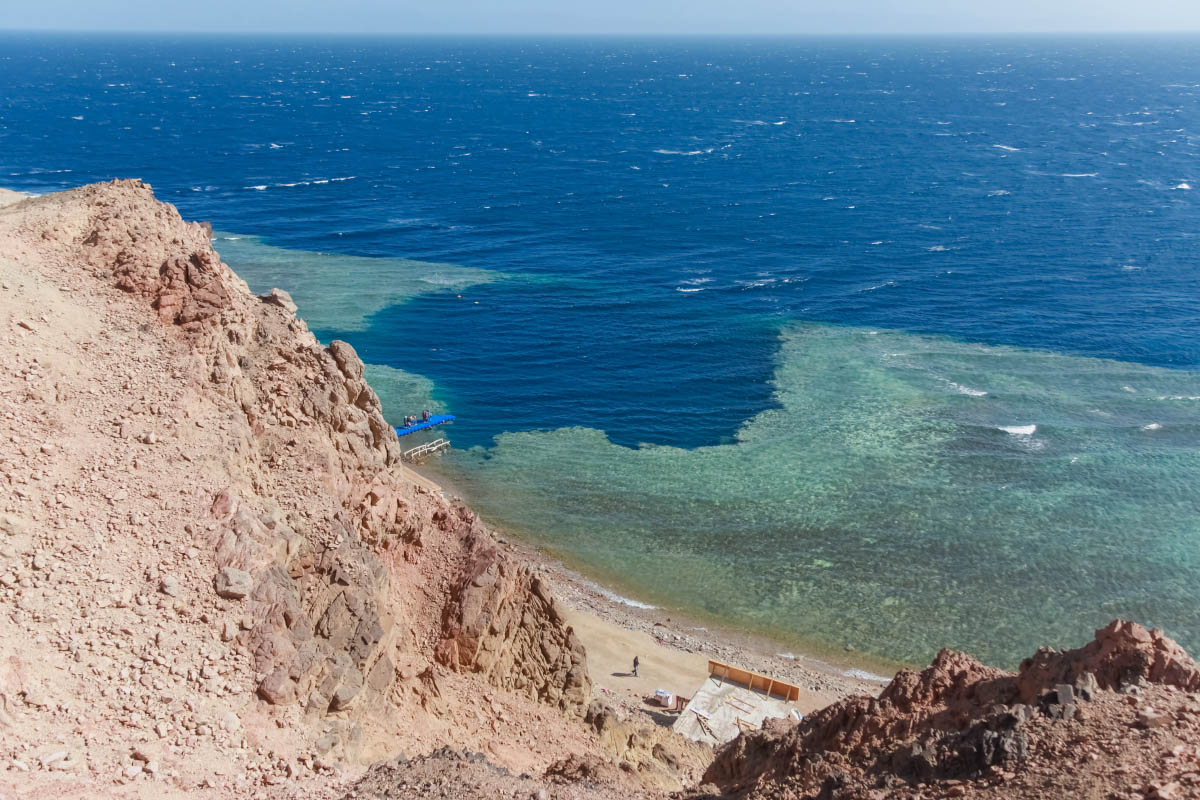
x,y
1075,720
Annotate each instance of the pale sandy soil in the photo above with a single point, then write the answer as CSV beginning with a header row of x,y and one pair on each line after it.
x,y
611,649
422,480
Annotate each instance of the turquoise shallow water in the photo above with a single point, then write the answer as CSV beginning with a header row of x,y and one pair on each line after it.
x,y
341,292
909,493
904,492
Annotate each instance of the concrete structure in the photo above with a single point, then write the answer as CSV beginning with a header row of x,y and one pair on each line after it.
x,y
724,706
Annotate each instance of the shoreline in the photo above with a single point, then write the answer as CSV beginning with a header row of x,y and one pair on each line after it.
x,y
605,619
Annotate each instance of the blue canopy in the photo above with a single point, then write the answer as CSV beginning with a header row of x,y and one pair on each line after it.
x,y
434,419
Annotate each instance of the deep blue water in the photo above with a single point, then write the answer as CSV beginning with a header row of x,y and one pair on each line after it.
x,y
791,177
665,212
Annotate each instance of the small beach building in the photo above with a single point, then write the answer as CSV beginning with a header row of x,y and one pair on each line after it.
x,y
732,700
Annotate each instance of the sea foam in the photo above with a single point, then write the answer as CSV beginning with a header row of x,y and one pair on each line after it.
x,y
1019,430
625,601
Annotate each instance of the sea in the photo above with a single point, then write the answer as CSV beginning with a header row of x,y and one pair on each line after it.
x,y
885,344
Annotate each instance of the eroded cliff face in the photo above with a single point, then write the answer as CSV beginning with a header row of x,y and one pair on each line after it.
x,y
337,586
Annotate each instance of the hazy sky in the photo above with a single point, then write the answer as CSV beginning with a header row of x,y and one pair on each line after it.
x,y
606,16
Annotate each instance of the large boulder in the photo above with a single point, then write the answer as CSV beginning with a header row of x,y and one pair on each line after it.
x,y
1122,654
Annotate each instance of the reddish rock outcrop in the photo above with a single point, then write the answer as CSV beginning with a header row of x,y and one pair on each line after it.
x,y
1123,653
957,721
254,348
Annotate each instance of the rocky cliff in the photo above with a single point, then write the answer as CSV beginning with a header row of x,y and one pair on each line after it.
x,y
239,478
324,631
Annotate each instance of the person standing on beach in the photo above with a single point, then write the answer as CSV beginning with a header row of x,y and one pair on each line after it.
x,y
635,666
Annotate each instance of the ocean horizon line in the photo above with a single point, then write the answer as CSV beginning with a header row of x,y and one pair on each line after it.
x,y
438,35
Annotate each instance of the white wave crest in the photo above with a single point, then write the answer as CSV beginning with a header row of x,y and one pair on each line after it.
x,y
314,182
1153,426
1019,430
616,598
1006,147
